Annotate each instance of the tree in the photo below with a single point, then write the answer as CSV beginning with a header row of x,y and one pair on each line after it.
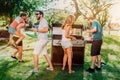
x,y
11,8
93,8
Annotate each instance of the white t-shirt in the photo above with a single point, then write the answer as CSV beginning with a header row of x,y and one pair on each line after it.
x,y
42,36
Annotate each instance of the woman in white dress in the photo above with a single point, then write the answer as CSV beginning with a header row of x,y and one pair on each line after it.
x,y
66,42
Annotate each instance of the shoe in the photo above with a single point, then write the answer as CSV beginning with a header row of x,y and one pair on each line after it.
x,y
14,57
50,69
34,71
21,61
90,70
98,69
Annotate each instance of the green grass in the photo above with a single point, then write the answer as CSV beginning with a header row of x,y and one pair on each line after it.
x,y
12,70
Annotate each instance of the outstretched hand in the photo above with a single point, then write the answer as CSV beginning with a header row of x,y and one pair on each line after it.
x,y
73,38
86,31
34,29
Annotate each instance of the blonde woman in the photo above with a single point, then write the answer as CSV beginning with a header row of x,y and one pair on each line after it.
x,y
66,42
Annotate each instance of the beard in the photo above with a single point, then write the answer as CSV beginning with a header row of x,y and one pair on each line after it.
x,y
38,18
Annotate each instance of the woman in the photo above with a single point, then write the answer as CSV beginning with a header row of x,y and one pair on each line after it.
x,y
66,42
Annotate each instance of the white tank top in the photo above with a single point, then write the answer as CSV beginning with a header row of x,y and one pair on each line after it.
x,y
63,36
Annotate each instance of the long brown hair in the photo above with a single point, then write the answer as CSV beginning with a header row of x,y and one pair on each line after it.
x,y
69,21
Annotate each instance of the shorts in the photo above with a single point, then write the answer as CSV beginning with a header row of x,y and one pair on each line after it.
x,y
40,47
66,44
11,30
96,47
15,38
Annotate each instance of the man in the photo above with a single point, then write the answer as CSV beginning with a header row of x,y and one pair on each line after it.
x,y
96,30
15,30
18,50
41,44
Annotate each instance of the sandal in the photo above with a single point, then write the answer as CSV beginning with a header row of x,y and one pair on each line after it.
x,y
14,57
50,69
34,71
71,72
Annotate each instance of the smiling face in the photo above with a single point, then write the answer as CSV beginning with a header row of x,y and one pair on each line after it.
x,y
24,17
38,15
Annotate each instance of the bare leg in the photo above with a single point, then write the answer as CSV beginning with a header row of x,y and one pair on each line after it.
x,y
99,61
10,40
93,62
48,60
20,52
64,59
14,54
18,32
20,39
69,53
35,62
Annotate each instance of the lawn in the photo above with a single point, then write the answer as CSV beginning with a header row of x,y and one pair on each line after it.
x,y
13,70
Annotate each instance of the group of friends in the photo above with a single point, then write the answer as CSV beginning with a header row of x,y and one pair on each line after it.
x,y
16,37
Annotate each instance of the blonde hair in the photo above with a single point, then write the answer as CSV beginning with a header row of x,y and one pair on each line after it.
x,y
69,21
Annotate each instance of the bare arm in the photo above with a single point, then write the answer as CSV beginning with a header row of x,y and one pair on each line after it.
x,y
44,30
92,30
18,29
67,34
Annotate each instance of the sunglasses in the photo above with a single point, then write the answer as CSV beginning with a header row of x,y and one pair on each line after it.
x,y
37,14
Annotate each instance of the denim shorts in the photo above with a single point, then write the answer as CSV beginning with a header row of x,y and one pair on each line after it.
x,y
11,30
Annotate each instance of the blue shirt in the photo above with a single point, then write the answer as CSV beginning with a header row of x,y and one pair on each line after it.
x,y
98,34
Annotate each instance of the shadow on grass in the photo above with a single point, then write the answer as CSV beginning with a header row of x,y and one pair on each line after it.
x,y
64,75
3,45
5,66
108,72
106,52
111,72
57,74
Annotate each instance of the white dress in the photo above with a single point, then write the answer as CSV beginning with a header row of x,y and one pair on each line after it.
x,y
65,42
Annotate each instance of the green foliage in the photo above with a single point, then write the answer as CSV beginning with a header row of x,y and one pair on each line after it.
x,y
13,7
93,8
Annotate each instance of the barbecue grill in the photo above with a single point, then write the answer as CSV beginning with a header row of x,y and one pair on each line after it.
x,y
78,45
